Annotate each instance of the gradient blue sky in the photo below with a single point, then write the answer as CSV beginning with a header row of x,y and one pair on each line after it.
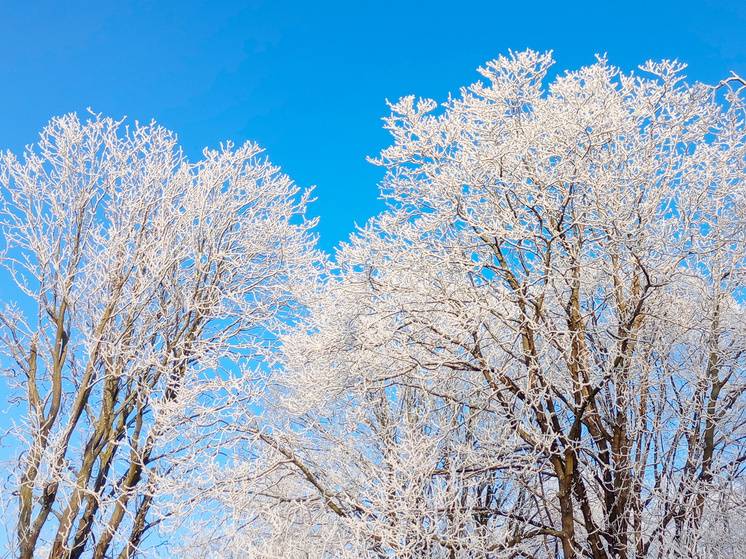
x,y
308,80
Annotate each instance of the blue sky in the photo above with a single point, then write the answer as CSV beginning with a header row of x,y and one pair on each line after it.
x,y
308,81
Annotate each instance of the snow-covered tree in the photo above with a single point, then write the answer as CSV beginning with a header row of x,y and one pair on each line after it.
x,y
150,294
539,349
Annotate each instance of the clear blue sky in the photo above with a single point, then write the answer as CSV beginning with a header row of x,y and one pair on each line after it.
x,y
308,80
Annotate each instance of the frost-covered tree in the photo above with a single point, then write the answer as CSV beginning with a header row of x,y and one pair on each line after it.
x,y
538,350
150,294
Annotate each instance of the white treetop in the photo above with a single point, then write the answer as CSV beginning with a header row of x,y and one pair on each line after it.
x,y
538,351
155,289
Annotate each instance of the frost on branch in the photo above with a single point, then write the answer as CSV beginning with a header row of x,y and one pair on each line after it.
x,y
151,291
538,350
